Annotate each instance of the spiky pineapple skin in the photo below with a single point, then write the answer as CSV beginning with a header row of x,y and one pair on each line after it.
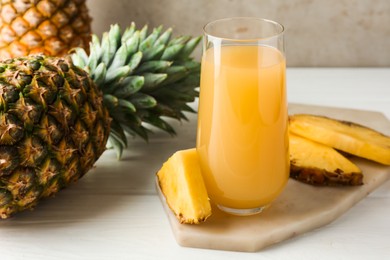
x,y
53,127
51,27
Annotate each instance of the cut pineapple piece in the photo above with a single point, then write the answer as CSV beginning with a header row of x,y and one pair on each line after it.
x,y
318,164
344,136
182,184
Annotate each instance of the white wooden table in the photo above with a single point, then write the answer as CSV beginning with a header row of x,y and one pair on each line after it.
x,y
114,212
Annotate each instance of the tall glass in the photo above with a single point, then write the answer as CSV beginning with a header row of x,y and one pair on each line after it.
x,y
242,135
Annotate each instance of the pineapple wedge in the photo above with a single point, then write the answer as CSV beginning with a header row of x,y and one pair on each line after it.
x,y
343,135
318,164
182,184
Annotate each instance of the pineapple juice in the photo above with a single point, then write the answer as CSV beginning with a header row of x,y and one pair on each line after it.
x,y
242,138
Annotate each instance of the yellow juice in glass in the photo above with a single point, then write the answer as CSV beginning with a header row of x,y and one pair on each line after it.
x,y
242,137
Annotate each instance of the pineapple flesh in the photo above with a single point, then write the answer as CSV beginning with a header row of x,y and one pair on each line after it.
x,y
49,27
345,136
318,164
181,183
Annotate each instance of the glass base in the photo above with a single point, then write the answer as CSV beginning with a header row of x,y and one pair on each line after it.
x,y
242,212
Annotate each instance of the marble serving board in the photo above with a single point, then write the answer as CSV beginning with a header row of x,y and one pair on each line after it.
x,y
299,209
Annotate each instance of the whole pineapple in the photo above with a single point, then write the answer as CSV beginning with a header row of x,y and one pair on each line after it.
x,y
52,27
55,116
53,127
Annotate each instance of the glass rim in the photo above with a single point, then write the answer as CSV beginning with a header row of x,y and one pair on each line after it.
x,y
275,35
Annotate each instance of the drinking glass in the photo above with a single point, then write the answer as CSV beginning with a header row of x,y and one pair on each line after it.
x,y
242,133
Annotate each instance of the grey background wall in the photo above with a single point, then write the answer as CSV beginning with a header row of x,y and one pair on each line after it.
x,y
346,33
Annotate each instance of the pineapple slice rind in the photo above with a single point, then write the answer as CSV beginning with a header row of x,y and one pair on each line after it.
x,y
182,185
318,164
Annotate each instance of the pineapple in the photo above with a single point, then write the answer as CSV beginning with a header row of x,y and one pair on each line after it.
x,y
53,127
56,114
344,136
50,27
318,164
181,182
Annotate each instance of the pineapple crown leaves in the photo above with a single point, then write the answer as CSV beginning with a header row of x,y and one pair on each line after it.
x,y
145,77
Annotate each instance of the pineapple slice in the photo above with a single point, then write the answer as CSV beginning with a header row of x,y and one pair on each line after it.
x,y
318,164
181,182
344,136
